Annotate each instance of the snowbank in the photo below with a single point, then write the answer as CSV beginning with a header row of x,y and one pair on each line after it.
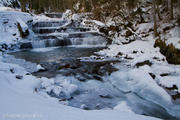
x,y
21,101
8,23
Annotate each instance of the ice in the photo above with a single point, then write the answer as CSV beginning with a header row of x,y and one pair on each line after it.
x,y
122,106
47,49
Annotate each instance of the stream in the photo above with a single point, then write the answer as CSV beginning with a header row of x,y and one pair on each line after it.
x,y
58,49
95,91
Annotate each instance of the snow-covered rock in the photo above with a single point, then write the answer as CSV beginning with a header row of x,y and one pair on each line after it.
x,y
8,23
20,100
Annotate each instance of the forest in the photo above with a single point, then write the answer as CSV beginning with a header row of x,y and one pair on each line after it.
x,y
103,9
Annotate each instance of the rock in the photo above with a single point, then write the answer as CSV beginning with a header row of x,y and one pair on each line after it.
x,y
134,52
28,73
120,54
177,96
128,33
152,75
147,62
128,58
12,70
85,107
97,77
65,66
105,96
164,74
23,33
40,68
172,88
26,45
19,77
104,30
172,54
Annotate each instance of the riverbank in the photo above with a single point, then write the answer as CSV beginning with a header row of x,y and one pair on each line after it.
x,y
20,99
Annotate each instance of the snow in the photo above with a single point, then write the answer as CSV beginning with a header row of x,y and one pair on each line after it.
x,y
8,22
67,15
142,84
6,2
5,9
137,79
174,37
39,67
23,25
42,17
122,106
59,86
20,101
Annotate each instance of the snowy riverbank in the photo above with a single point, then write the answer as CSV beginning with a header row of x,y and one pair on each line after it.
x,y
18,89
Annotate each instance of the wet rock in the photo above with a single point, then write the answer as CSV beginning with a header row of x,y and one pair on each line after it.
x,y
164,74
19,77
152,75
26,45
105,96
97,77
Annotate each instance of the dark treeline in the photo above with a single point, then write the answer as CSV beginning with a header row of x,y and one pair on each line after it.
x,y
102,9
40,6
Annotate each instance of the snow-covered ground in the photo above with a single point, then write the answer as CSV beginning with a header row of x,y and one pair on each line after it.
x,y
20,101
143,50
9,33
18,89
6,2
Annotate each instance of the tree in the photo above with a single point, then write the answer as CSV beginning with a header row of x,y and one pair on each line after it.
x,y
23,5
154,18
171,9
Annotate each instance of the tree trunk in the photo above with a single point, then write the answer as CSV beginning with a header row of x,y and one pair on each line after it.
x,y
171,10
158,10
179,6
23,5
154,18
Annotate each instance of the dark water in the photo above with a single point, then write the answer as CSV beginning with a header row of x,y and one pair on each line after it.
x,y
54,55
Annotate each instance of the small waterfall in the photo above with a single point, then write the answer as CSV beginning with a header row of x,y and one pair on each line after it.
x,y
89,41
60,33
